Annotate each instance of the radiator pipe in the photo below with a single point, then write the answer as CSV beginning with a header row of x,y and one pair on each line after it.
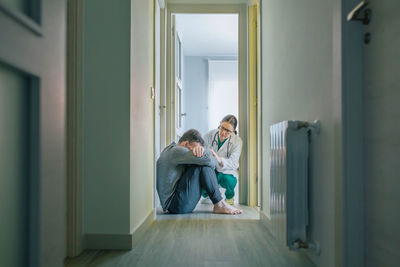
x,y
305,245
316,125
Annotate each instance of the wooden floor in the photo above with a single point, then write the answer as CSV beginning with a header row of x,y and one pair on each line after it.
x,y
195,241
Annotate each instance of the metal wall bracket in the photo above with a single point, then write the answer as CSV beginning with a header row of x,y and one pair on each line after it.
x,y
306,245
315,125
363,14
360,13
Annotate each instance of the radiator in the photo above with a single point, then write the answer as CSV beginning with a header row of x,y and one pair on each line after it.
x,y
289,182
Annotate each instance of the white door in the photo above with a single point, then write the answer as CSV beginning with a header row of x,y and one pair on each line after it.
x,y
157,99
32,133
14,162
177,76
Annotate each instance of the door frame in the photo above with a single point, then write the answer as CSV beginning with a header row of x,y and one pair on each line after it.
x,y
242,11
177,81
349,197
75,237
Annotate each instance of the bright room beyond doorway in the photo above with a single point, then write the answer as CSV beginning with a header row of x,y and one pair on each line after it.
x,y
210,68
205,54
209,53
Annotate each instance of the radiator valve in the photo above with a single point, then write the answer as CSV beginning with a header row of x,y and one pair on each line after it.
x,y
306,245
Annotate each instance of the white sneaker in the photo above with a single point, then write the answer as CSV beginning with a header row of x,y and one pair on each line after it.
x,y
230,201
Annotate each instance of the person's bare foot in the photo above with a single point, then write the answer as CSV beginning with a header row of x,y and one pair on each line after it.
x,y
224,208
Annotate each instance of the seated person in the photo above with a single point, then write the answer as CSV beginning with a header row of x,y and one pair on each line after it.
x,y
226,146
183,170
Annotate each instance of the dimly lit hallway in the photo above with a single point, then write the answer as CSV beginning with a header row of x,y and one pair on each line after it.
x,y
199,243
80,94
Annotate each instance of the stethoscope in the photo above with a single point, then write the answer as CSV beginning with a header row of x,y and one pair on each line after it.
x,y
216,143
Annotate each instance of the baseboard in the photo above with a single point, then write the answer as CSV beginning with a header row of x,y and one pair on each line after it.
x,y
142,228
119,241
109,241
266,221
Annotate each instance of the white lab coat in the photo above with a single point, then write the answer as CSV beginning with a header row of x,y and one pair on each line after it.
x,y
230,159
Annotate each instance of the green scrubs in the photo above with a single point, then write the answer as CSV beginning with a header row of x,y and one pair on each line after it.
x,y
227,181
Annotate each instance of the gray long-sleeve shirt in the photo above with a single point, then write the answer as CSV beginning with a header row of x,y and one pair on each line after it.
x,y
171,165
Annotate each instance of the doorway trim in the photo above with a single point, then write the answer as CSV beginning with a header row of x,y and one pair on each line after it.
x,y
75,236
242,11
350,195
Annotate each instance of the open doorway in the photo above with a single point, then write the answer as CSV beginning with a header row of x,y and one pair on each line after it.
x,y
207,71
184,95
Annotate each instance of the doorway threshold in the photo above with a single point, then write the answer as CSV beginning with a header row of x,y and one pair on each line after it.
x,y
204,212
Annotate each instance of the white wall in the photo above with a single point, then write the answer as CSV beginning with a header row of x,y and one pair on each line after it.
x,y
223,91
382,130
195,84
106,116
118,116
209,34
142,111
204,113
297,70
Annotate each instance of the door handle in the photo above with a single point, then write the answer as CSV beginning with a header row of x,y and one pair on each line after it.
x,y
183,114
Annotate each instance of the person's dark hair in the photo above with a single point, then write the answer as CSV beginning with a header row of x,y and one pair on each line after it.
x,y
232,120
191,136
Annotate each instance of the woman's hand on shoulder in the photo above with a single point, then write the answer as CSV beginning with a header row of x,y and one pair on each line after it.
x,y
221,164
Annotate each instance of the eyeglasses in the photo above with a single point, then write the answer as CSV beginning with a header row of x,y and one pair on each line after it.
x,y
224,129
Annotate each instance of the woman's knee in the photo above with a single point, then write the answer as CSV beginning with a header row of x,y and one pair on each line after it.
x,y
233,181
228,181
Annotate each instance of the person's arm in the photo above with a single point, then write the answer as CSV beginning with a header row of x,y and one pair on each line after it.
x,y
232,163
208,139
183,155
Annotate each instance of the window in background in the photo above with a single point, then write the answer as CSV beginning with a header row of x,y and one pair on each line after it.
x,y
223,90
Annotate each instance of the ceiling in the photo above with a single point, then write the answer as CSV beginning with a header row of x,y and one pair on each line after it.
x,y
208,34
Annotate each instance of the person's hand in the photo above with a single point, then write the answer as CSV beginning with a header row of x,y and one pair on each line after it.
x,y
218,158
198,151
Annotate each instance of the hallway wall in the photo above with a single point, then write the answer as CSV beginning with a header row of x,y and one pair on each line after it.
x,y
106,116
118,120
142,110
297,76
382,131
